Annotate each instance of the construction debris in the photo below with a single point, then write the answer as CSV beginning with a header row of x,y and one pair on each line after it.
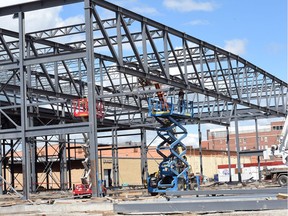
x,y
281,196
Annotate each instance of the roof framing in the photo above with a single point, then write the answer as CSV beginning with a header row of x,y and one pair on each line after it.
x,y
216,80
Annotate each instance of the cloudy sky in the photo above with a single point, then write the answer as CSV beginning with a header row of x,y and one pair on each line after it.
x,y
254,29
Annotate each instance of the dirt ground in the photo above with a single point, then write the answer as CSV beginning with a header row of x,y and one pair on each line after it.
x,y
63,203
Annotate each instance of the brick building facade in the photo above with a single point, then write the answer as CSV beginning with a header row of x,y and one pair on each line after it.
x,y
129,165
267,135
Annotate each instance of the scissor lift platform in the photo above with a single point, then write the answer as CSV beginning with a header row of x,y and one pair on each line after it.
x,y
173,170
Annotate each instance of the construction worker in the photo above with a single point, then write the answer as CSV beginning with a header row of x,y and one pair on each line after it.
x,y
181,100
162,98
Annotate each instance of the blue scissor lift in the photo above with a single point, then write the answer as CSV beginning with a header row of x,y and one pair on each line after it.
x,y
173,170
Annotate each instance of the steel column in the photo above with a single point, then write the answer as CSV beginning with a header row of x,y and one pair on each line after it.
x,y
26,164
5,166
33,150
258,148
32,143
237,146
62,146
229,152
69,161
113,158
12,171
115,162
200,148
93,142
46,164
1,165
144,169
63,162
101,167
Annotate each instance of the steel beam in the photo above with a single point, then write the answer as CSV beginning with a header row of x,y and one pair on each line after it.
x,y
228,192
35,5
189,207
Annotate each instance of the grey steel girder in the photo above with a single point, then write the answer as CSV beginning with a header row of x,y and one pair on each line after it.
x,y
35,5
40,76
214,78
74,29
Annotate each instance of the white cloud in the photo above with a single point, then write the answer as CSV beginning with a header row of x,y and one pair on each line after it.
x,y
236,46
191,140
137,7
38,20
189,5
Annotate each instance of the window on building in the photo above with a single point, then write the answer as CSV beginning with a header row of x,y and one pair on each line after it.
x,y
219,134
80,151
244,140
265,139
278,127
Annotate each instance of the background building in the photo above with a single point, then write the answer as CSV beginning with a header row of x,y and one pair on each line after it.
x,y
267,135
129,165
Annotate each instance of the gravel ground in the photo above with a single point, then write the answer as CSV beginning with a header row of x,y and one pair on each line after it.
x,y
62,203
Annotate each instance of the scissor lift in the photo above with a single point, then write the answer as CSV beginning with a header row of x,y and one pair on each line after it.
x,y
173,170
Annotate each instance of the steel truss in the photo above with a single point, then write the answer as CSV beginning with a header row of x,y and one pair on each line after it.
x,y
40,76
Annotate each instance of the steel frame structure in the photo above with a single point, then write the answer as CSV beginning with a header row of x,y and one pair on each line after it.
x,y
40,76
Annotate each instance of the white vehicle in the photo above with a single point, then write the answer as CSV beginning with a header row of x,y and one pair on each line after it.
x,y
279,151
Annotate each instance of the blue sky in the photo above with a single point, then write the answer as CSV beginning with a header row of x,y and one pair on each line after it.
x,y
259,25
254,29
